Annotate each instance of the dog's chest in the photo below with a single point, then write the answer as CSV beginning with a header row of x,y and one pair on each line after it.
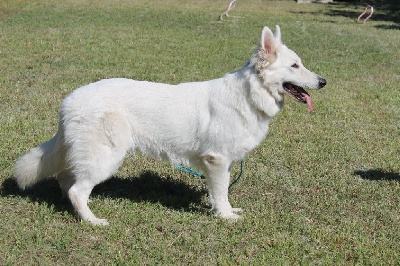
x,y
238,137
252,137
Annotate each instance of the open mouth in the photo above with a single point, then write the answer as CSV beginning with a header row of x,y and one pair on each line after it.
x,y
299,94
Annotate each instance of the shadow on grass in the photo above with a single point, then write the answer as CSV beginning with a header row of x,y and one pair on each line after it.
x,y
148,187
385,10
44,192
378,174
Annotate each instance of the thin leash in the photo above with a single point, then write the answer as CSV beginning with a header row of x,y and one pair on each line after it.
x,y
189,170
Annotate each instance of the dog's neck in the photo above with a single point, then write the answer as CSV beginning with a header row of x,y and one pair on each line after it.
x,y
258,95
259,64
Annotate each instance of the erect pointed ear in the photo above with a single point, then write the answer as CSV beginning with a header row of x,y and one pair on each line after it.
x,y
268,43
277,34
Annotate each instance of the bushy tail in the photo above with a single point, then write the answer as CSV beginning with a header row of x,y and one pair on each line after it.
x,y
41,162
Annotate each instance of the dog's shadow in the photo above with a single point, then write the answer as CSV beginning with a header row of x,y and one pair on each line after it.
x,y
148,187
377,174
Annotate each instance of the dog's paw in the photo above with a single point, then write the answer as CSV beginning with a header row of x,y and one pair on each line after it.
x,y
228,215
99,222
231,216
236,210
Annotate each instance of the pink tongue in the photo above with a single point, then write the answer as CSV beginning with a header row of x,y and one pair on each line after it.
x,y
308,101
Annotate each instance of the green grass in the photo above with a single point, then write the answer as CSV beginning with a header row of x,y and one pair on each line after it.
x,y
323,188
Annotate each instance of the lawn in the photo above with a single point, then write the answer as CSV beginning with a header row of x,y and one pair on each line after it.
x,y
323,188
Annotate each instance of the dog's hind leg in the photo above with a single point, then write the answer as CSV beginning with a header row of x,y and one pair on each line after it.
x,y
79,196
65,180
95,153
217,177
88,174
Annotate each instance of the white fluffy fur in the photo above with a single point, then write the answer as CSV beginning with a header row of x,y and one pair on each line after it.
x,y
207,125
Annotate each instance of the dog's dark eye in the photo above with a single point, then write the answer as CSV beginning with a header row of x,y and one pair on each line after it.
x,y
295,65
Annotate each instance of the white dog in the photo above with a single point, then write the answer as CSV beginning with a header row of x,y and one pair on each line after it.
x,y
207,125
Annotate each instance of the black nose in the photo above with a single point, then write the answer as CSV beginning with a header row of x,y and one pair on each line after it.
x,y
322,82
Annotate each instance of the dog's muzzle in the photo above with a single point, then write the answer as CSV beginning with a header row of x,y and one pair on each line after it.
x,y
321,82
300,95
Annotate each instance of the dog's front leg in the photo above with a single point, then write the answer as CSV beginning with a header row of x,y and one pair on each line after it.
x,y
217,176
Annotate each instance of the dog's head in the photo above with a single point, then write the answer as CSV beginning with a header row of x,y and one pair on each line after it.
x,y
281,71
